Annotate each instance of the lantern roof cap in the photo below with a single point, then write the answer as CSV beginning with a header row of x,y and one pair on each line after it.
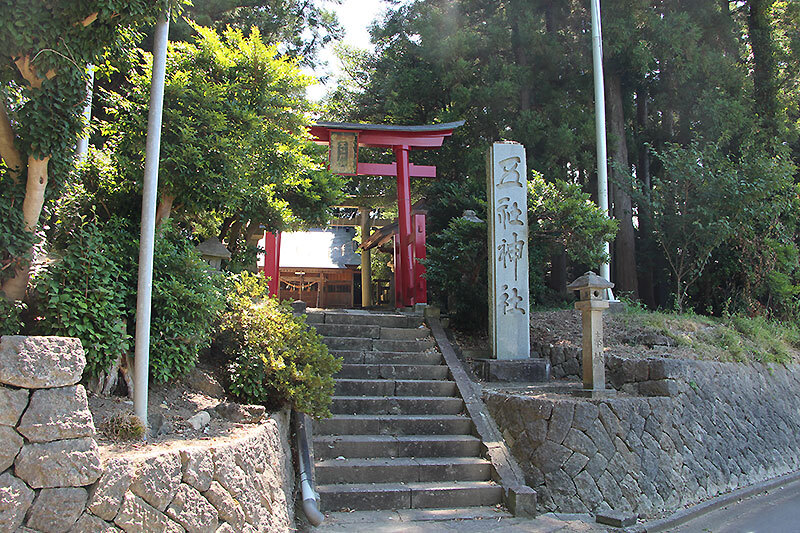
x,y
212,247
590,280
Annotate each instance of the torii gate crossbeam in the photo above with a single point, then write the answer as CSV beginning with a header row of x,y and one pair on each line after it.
x,y
401,140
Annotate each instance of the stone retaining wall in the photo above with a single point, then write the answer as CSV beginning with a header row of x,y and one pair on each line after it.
x,y
721,426
565,359
53,480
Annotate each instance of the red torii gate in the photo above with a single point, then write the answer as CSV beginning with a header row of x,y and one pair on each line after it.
x,y
343,159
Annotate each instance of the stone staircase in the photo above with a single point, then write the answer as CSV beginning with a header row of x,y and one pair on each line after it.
x,y
399,437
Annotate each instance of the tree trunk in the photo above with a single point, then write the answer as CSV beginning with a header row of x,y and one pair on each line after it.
x,y
625,245
226,226
646,250
164,208
558,272
765,87
8,149
14,288
233,235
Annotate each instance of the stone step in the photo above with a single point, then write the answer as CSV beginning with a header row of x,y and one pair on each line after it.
x,y
402,469
375,496
357,357
315,318
381,345
405,334
375,446
374,371
394,425
349,330
388,320
417,519
396,405
348,343
392,387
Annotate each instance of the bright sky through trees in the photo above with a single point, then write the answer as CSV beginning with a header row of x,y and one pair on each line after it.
x,y
355,16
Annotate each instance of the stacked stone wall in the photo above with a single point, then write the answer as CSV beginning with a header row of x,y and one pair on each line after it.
x,y
52,478
707,428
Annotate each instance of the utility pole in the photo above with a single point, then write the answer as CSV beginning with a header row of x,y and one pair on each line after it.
x,y
147,238
600,128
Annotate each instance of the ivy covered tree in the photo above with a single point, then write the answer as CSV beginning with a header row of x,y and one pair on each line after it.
x,y
44,50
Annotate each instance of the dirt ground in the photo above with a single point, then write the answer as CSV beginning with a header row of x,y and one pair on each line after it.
x,y
622,335
170,407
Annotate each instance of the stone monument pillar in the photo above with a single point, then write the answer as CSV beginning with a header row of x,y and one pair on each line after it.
x,y
507,195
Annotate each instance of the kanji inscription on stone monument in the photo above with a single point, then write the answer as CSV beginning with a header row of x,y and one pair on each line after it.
x,y
509,304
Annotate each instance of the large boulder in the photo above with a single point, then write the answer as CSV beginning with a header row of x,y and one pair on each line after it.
x,y
62,463
157,479
40,362
57,414
12,403
10,445
136,516
56,510
106,495
15,499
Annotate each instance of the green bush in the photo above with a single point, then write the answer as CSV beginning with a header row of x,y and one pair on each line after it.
x,y
10,317
83,293
456,266
187,303
275,358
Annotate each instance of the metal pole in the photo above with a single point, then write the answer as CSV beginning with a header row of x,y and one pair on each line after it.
x,y
147,238
83,143
600,127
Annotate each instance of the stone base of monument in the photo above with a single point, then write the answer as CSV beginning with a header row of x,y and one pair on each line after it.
x,y
531,370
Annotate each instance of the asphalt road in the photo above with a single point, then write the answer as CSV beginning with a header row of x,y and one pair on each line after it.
x,y
776,511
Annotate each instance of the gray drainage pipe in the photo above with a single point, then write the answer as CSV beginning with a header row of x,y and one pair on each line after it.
x,y
310,496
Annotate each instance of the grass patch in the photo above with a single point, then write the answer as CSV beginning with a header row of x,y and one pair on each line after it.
x,y
731,339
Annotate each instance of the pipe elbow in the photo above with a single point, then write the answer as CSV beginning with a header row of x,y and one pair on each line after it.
x,y
310,508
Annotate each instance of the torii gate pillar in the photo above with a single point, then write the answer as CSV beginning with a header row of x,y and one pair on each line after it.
x,y
406,267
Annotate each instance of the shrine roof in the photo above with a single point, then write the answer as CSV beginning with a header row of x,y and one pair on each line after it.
x,y
388,135
423,128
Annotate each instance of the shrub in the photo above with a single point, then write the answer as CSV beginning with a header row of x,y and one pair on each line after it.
x,y
188,301
274,356
10,317
456,266
83,293
123,427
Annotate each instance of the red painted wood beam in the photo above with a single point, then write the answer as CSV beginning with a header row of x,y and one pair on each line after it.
x,y
390,169
405,230
272,261
388,139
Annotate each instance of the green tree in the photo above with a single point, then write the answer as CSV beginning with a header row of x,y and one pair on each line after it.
x,y
44,48
234,141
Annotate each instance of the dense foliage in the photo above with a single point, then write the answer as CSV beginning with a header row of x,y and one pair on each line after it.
x,y
560,217
275,357
84,293
702,112
188,298
235,159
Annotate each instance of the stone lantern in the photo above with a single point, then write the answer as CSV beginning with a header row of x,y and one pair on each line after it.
x,y
213,252
591,304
